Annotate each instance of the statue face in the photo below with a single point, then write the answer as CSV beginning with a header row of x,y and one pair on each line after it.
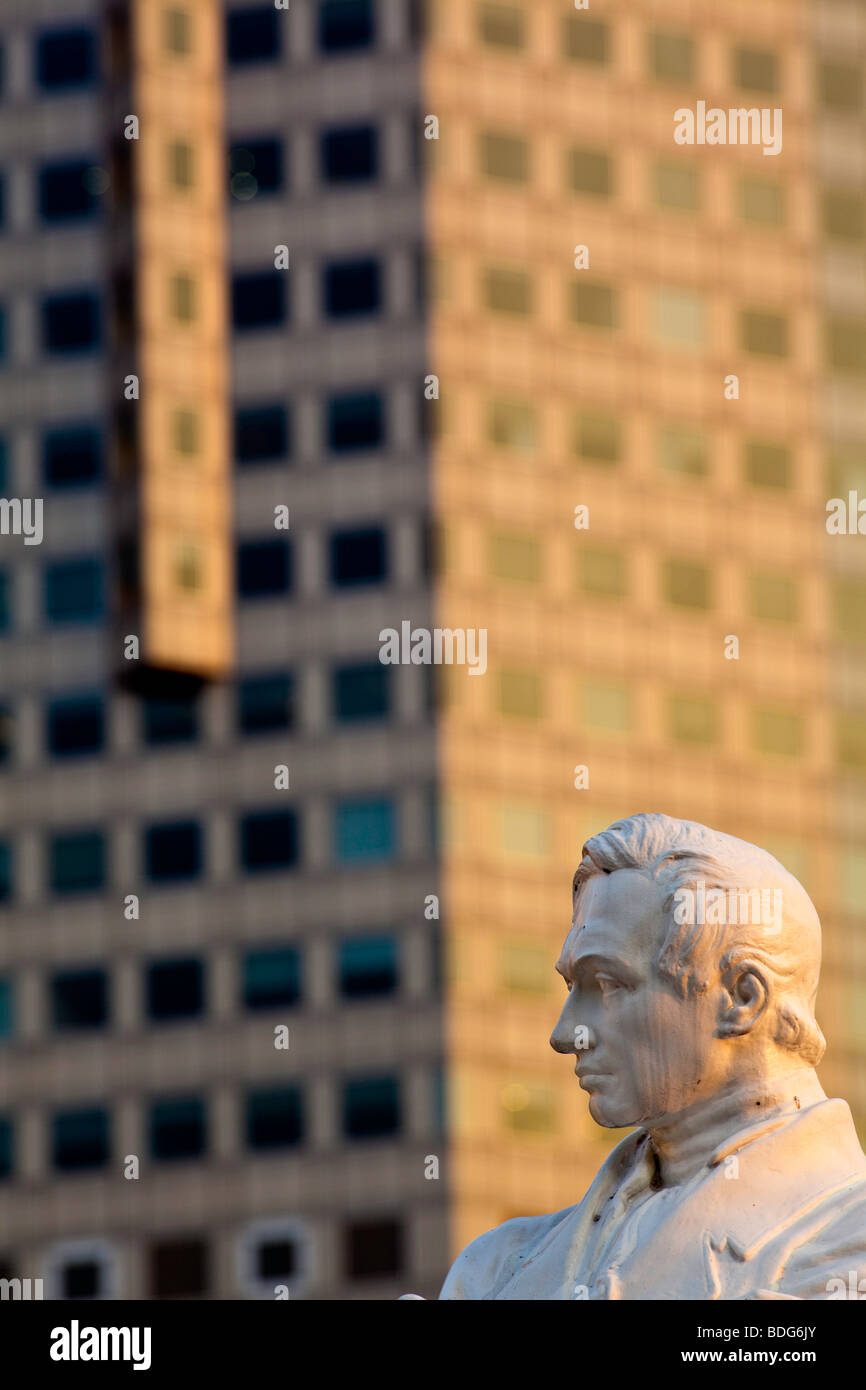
x,y
643,1052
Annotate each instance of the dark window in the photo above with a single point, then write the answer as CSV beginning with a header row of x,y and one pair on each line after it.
x,y
77,862
361,692
72,456
276,1260
75,726
5,601
261,433
269,840
65,58
275,1118
82,1279
271,978
352,288
4,467
80,999
178,1269
374,1249
173,852
264,568
7,730
7,1008
7,1148
371,1107
266,703
5,871
71,322
356,420
80,1139
169,721
345,25
253,35
178,1128
66,190
256,166
175,989
367,967
358,557
349,154
259,299
74,590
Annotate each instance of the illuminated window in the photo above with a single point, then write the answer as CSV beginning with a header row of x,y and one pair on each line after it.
x,y
177,30
504,157
589,171
524,831
507,291
777,731
598,436
762,202
606,705
672,56
183,297
512,556
773,598
513,425
180,164
586,40
527,969
520,693
501,26
675,185
756,70
763,333
594,305
601,571
767,464
692,719
679,318
687,583
682,450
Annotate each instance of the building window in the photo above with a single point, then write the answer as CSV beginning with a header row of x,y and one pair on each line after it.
x,y
762,202
594,305
7,1149
269,841
66,59
843,213
773,598
183,298
7,731
72,456
683,451
253,35
346,25
7,1009
679,318
77,861
367,967
181,164
169,721
687,584
849,608
173,852
75,726
371,1107
356,421
71,322
80,1139
5,871
79,999
692,719
361,692
271,977
586,40
851,747
358,557
764,334
179,1268
526,969
5,601
262,433
520,694
374,1249
606,705
675,186
598,437
275,1118
259,300
74,591
840,86
177,31
767,464
349,154
590,171
174,989
255,167
187,566
365,831
529,1109
178,1128
506,291
672,56
185,432
777,731
81,1269
352,289
501,26
264,568
512,556
846,345
504,157
602,571
513,424
66,190
266,704
273,1252
756,70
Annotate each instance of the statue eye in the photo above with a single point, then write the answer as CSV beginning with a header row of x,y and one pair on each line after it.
x,y
607,985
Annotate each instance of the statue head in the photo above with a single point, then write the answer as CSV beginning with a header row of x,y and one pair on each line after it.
x,y
692,967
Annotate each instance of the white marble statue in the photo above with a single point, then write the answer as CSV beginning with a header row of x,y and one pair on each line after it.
x,y
691,968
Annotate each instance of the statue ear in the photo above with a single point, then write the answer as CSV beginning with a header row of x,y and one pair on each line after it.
x,y
748,990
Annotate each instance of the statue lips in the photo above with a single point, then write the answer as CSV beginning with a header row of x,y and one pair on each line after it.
x,y
589,1079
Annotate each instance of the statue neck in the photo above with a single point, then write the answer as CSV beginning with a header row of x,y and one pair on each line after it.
x,y
685,1142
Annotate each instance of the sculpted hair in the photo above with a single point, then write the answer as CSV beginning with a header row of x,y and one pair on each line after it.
x,y
677,855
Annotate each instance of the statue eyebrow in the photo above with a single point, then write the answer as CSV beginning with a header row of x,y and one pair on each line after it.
x,y
583,964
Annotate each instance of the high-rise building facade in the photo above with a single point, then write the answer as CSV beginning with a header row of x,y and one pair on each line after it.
x,y
323,318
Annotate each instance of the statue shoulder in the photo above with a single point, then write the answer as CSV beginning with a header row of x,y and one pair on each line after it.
x,y
493,1258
